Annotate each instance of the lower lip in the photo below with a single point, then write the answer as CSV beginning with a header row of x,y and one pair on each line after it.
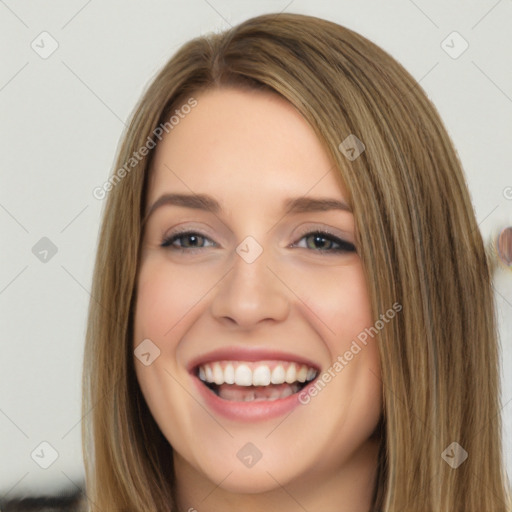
x,y
248,411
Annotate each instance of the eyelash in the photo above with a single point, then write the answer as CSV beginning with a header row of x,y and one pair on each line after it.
x,y
345,247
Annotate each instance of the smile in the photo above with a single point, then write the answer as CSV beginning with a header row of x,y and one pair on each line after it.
x,y
248,381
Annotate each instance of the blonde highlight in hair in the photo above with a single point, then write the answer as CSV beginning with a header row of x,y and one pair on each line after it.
x,y
418,240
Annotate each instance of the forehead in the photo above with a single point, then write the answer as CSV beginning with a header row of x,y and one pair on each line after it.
x,y
243,146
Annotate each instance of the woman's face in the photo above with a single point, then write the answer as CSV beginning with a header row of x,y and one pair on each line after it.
x,y
237,288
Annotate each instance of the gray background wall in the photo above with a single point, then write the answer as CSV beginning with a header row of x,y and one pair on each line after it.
x,y
61,119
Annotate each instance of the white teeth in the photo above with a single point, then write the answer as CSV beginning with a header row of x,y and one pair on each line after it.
x,y
243,375
302,373
278,375
261,376
291,374
250,374
229,374
218,374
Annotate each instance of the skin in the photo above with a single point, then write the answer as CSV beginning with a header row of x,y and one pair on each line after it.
x,y
251,150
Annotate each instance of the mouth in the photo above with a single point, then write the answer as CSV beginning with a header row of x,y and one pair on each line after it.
x,y
255,381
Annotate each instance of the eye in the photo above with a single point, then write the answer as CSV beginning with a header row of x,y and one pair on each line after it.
x,y
319,241
189,240
324,242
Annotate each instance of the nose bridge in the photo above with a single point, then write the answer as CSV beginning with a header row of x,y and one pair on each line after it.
x,y
250,292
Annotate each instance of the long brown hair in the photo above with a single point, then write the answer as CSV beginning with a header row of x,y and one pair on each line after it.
x,y
419,244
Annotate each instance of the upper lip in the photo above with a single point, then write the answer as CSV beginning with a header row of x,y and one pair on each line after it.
x,y
251,354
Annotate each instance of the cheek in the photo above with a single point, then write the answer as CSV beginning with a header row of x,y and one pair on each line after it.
x,y
340,302
168,301
341,311
165,296
155,305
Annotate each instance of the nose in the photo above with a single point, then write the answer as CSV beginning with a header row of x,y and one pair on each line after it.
x,y
250,294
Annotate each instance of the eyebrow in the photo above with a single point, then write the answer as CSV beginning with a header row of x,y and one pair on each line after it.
x,y
209,204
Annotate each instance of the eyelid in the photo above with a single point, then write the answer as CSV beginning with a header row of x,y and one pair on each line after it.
x,y
188,227
314,228
321,228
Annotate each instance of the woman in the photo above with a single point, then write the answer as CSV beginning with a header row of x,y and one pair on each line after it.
x,y
291,302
